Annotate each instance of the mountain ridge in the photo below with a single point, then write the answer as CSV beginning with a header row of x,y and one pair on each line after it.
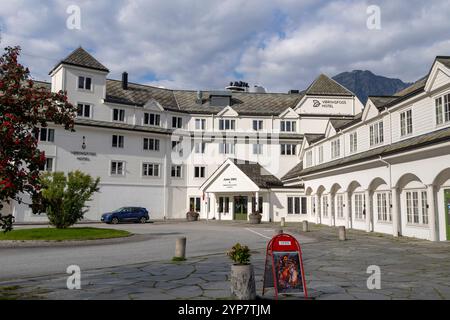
x,y
364,83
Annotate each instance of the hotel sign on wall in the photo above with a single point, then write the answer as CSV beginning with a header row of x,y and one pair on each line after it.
x,y
328,103
229,182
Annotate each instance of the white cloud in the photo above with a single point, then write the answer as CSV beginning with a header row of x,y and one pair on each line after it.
x,y
281,44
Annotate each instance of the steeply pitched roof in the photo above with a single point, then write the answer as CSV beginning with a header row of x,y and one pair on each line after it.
x,y
81,58
294,172
340,123
324,85
445,60
261,177
404,145
380,101
312,138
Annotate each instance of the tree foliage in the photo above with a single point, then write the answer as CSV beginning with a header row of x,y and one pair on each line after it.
x,y
24,107
64,197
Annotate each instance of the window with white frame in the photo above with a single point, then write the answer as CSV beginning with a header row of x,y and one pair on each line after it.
x,y
340,206
47,165
288,126
258,125
297,205
442,109
45,135
226,148
406,124
84,110
335,148
416,207
118,141
353,142
84,83
177,122
325,206
360,206
224,204
150,169
376,133
151,144
117,168
320,154
200,147
200,124
227,124
176,171
199,172
257,149
288,149
195,204
152,119
383,202
119,115
308,158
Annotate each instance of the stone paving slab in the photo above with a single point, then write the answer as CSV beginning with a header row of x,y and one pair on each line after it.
x,y
336,270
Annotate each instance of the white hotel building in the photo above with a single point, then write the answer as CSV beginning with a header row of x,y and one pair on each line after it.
x,y
316,155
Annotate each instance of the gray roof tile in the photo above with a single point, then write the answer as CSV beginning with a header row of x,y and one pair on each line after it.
x,y
261,177
324,85
81,58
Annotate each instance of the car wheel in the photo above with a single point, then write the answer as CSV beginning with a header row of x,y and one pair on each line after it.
x,y
143,220
115,221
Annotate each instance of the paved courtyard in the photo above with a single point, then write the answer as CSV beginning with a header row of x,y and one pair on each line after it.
x,y
410,269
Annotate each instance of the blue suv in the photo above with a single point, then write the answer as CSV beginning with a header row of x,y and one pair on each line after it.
x,y
126,214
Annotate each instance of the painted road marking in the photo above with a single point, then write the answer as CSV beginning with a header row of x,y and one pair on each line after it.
x,y
259,234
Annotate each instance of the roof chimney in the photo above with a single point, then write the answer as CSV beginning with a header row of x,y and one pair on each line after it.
x,y
125,81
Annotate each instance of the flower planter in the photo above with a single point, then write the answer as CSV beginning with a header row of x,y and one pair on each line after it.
x,y
255,218
243,282
192,216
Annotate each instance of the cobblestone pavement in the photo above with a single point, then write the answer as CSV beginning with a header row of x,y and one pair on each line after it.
x,y
410,269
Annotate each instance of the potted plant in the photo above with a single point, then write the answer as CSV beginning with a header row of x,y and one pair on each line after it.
x,y
242,275
192,216
255,218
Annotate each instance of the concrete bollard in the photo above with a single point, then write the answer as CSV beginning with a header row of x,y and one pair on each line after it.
x,y
305,226
283,222
279,231
180,248
342,234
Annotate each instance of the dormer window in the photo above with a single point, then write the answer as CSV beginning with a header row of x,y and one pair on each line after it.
x,y
152,119
335,148
227,124
84,83
288,126
220,99
376,134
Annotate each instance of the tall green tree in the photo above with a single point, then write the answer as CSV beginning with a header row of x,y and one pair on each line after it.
x,y
24,107
64,197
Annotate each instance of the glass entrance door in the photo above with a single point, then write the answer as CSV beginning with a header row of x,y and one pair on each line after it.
x,y
447,211
240,208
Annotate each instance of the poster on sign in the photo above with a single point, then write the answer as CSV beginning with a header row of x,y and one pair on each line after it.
x,y
284,266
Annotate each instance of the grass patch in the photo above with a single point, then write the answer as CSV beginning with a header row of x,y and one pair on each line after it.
x,y
53,234
178,259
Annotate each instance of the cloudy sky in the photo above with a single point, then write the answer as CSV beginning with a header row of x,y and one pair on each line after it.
x,y
204,44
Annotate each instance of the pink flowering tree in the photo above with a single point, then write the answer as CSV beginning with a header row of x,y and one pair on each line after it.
x,y
24,108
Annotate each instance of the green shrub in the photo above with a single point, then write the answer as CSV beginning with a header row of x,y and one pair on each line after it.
x,y
239,254
64,198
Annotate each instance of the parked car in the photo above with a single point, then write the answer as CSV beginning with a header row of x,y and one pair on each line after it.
x,y
126,214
